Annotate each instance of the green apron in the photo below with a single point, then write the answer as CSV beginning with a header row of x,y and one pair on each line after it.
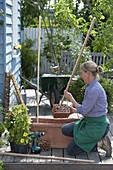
x,y
88,131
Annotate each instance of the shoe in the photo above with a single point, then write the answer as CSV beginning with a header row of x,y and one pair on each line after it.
x,y
105,144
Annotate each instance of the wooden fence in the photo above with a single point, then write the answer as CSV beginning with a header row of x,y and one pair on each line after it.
x,y
45,64
32,33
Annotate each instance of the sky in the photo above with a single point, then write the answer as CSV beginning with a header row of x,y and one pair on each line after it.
x,y
81,4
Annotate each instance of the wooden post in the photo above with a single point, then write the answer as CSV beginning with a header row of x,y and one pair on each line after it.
x,y
38,67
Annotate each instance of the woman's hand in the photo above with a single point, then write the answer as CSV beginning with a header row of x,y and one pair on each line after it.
x,y
72,109
69,96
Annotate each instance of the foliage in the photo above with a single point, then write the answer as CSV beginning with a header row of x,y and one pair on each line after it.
x,y
18,124
2,142
2,167
76,48
1,107
77,88
28,60
1,14
102,40
52,49
68,14
2,128
108,87
108,65
30,11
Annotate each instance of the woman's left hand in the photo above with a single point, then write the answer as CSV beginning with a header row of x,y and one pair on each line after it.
x,y
68,95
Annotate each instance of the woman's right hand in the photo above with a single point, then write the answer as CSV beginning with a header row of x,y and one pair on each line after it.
x,y
72,109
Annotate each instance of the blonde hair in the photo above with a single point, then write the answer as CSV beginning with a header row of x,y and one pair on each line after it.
x,y
91,67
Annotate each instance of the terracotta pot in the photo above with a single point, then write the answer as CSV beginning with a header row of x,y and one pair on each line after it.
x,y
52,129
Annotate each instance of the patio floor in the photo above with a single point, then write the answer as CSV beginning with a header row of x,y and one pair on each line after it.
x,y
82,161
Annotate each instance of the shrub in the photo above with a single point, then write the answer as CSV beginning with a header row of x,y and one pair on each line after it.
x,y
108,87
77,89
28,60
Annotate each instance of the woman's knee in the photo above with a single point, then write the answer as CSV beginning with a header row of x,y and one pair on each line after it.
x,y
67,129
64,129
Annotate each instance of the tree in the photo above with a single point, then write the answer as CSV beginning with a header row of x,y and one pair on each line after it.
x,y
31,9
68,14
102,39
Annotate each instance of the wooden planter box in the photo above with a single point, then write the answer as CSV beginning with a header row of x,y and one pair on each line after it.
x,y
52,128
61,111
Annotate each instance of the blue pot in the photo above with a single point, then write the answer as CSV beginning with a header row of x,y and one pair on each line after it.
x,y
21,148
12,146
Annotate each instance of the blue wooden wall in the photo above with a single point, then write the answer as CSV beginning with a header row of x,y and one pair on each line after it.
x,y
7,60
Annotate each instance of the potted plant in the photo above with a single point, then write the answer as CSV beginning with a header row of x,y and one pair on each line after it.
x,y
16,49
17,123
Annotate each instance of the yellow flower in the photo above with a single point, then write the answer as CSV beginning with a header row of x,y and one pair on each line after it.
x,y
25,134
22,141
19,46
20,111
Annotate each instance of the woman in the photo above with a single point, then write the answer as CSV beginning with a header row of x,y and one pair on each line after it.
x,y
94,125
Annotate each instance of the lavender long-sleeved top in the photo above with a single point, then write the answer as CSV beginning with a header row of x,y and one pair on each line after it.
x,y
95,101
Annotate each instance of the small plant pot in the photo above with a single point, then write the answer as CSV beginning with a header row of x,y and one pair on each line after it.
x,y
61,111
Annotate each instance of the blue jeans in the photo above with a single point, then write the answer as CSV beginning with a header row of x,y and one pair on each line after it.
x,y
72,148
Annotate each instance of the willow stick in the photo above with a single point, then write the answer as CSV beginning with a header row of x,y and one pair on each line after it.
x,y
38,68
46,157
80,55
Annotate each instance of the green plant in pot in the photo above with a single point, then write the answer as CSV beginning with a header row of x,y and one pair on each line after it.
x,y
17,123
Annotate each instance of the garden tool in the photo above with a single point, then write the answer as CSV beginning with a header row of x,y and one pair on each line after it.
x,y
74,69
35,135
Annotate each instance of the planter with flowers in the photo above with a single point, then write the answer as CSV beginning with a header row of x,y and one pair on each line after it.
x,y
17,123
